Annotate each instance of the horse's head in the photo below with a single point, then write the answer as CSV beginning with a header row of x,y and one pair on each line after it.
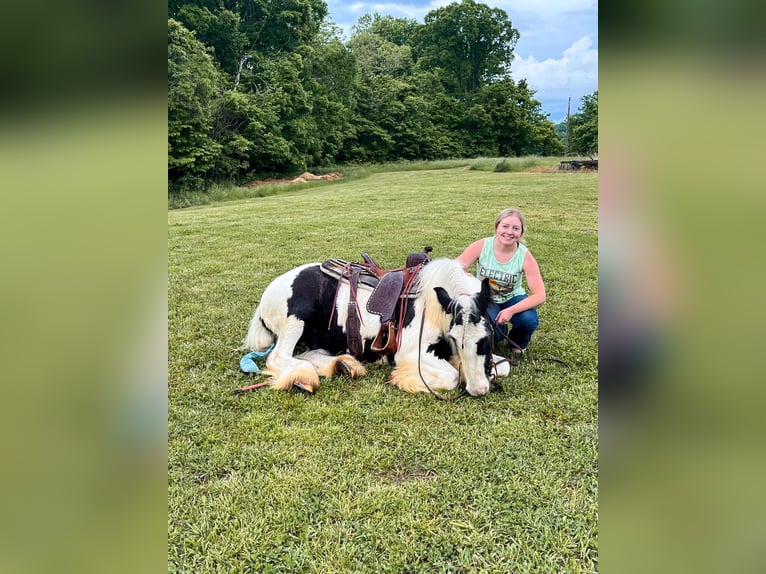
x,y
470,333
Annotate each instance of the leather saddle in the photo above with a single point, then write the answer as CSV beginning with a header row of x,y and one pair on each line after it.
x,y
388,286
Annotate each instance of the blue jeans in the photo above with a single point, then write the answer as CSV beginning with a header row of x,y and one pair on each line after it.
x,y
522,324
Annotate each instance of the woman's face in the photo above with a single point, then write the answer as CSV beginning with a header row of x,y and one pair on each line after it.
x,y
509,230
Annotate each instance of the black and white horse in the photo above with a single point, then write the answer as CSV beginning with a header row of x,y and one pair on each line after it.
x,y
445,339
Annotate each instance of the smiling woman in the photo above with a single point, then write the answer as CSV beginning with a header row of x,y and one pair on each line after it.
x,y
503,260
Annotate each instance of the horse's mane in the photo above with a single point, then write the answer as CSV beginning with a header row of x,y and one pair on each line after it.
x,y
446,273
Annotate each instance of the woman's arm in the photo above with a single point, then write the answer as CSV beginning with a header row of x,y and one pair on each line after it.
x,y
470,254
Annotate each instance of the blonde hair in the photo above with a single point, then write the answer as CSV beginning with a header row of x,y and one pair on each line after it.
x,y
508,212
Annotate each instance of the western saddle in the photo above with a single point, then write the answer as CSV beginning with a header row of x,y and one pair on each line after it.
x,y
388,287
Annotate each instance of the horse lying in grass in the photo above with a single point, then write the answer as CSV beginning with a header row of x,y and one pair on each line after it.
x,y
444,338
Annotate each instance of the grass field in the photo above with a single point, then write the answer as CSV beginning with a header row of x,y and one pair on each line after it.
x,y
228,192
361,477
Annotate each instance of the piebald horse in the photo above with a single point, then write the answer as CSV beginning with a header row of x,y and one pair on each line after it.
x,y
445,338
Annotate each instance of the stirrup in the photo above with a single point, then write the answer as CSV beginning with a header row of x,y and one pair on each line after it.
x,y
385,341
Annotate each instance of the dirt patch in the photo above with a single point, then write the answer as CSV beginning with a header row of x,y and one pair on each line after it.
x,y
540,169
302,178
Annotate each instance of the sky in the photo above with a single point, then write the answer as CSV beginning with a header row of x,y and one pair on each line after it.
x,y
557,52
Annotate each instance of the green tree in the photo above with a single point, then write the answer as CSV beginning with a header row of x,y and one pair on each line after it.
x,y
471,43
529,132
193,90
507,121
278,26
248,127
382,70
397,104
290,83
217,29
267,87
584,127
329,74
399,31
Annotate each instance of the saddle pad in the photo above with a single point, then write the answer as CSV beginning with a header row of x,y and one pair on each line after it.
x,y
383,299
337,267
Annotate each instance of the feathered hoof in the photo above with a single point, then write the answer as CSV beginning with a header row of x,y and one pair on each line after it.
x,y
342,369
301,387
304,380
348,367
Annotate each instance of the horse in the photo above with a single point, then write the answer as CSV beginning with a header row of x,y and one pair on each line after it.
x,y
445,335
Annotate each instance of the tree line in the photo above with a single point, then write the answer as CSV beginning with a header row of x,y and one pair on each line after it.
x,y
262,88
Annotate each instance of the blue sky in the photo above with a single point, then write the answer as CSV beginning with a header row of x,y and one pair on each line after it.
x,y
557,51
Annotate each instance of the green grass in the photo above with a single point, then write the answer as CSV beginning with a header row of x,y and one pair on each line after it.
x,y
361,477
228,192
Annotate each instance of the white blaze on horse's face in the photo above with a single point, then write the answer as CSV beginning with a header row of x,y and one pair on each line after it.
x,y
470,335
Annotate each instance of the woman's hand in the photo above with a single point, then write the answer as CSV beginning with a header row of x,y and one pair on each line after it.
x,y
504,316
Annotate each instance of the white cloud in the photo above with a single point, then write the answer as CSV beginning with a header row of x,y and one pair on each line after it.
x,y
577,68
555,80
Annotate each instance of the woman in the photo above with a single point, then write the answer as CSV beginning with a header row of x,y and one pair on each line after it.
x,y
503,259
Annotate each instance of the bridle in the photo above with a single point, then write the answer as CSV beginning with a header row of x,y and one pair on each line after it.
x,y
494,379
437,396
463,390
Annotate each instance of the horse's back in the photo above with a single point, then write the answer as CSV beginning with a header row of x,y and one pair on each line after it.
x,y
272,309
304,292
282,284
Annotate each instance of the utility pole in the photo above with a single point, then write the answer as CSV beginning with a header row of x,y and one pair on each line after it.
x,y
569,103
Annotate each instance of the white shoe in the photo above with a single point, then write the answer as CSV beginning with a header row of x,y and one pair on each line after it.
x,y
517,352
501,366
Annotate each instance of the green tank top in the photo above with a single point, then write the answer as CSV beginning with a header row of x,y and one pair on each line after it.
x,y
504,278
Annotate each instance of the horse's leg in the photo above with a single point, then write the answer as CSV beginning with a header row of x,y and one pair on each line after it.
x,y
438,374
330,365
288,371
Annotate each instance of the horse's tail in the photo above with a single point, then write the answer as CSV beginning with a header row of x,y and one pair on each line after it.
x,y
259,337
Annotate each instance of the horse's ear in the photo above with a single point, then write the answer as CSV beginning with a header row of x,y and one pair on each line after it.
x,y
482,301
444,299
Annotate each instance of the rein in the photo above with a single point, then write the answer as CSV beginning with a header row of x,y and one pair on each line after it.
x,y
463,391
436,395
497,330
249,388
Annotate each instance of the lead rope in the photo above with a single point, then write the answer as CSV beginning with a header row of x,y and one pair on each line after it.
x,y
422,378
497,330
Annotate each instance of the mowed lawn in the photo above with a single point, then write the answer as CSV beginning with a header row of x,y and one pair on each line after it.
x,y
361,477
